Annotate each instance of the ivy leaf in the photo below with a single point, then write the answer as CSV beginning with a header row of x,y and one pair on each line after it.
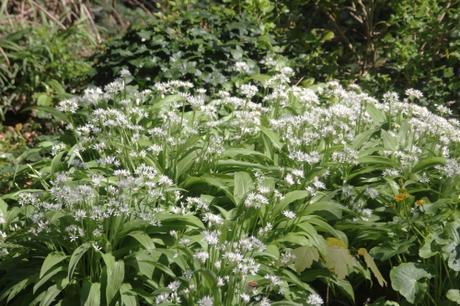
x,y
407,280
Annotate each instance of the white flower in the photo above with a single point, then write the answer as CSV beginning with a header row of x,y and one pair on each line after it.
x,y
245,297
414,93
391,172
213,219
443,110
202,256
68,106
289,214
315,300
372,192
205,301
212,238
264,302
248,90
174,286
274,280
242,67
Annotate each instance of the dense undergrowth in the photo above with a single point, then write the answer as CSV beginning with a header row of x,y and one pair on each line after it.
x,y
208,156
270,193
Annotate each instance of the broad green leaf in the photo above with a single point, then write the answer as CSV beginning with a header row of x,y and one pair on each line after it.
x,y
426,251
231,164
48,276
53,112
143,239
407,279
274,138
338,258
53,291
115,274
390,142
362,138
50,261
295,280
170,219
184,165
56,163
91,294
295,239
328,206
304,257
377,160
128,297
13,291
75,258
377,115
290,198
428,163
242,152
242,185
346,287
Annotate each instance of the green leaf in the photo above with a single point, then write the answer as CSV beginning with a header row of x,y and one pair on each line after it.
x,y
346,288
53,291
50,261
377,115
304,257
170,219
115,274
143,239
428,163
75,258
128,297
12,291
406,279
51,274
184,165
372,266
53,112
242,185
390,142
328,206
338,258
289,198
56,163
91,294
274,138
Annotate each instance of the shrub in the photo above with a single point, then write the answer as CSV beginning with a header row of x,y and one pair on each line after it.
x,y
200,44
266,193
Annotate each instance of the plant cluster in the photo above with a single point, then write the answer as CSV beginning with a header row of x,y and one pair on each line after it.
x,y
202,44
265,193
380,44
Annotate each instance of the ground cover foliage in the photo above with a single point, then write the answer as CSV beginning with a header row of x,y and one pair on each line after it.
x,y
270,194
208,156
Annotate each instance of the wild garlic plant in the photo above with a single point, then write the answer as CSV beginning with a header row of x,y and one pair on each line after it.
x,y
269,194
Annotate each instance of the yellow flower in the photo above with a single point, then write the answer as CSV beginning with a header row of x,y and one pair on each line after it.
x,y
401,196
420,202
